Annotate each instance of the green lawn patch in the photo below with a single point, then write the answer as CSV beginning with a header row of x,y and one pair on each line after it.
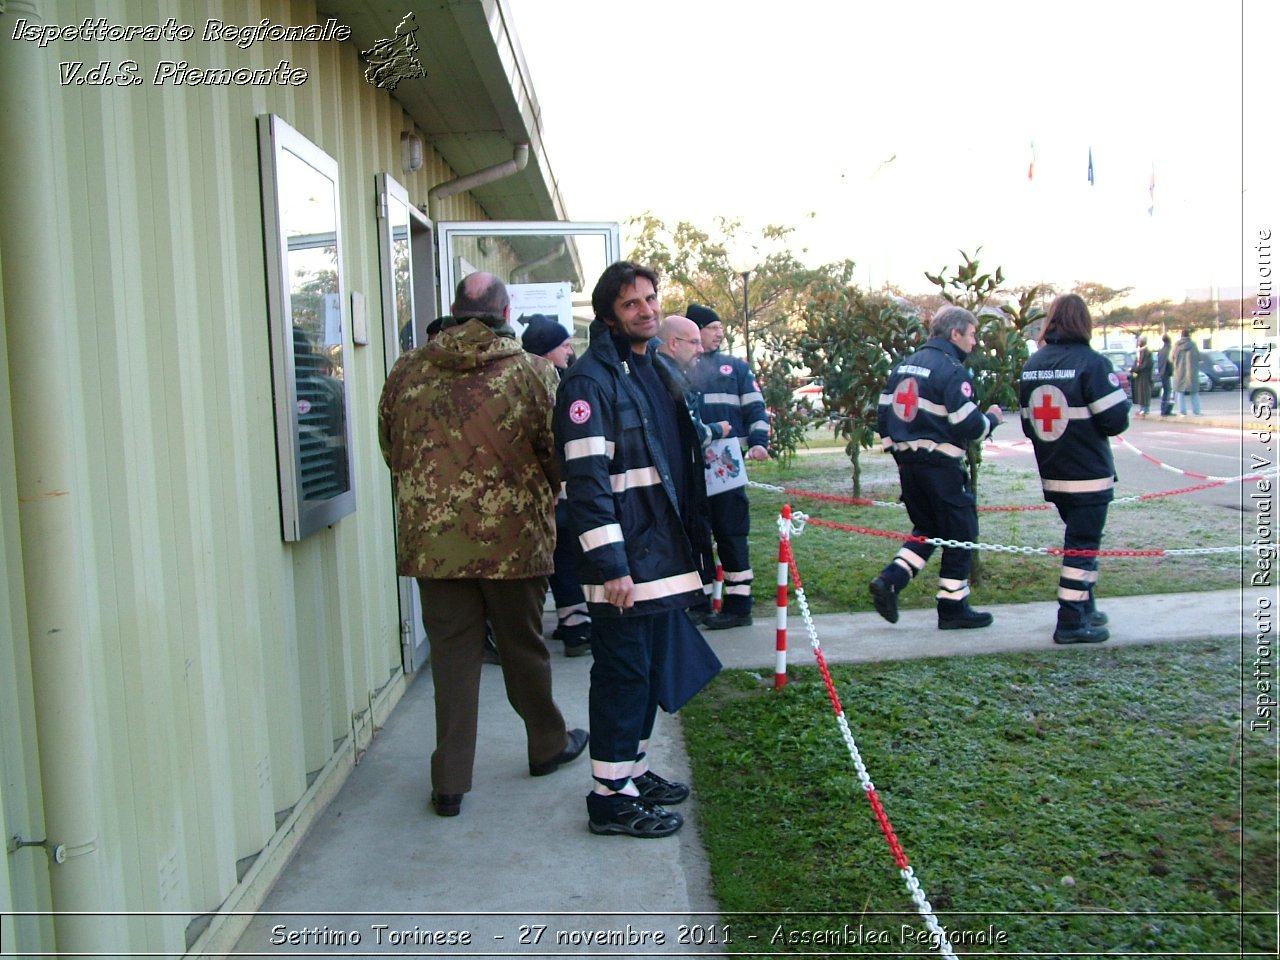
x,y
1061,802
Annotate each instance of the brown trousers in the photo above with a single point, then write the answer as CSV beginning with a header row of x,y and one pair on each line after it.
x,y
454,613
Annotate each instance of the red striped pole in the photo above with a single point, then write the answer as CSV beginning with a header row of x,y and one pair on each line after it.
x,y
784,554
717,590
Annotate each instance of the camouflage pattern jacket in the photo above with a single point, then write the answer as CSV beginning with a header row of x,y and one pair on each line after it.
x,y
465,426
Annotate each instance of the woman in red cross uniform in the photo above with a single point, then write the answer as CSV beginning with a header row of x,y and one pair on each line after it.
x,y
1072,404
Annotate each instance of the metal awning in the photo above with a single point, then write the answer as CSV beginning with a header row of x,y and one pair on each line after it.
x,y
476,100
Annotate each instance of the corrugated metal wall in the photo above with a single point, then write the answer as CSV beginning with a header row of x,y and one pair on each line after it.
x,y
226,667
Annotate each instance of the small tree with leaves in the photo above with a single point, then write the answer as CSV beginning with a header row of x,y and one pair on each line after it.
x,y
851,340
695,266
1001,351
775,370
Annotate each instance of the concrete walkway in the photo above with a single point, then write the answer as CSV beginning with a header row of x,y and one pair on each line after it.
x,y
519,873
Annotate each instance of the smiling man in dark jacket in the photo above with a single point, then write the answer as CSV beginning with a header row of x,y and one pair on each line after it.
x,y
632,468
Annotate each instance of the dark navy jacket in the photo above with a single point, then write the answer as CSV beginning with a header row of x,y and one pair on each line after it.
x,y
927,410
730,392
1071,403
623,505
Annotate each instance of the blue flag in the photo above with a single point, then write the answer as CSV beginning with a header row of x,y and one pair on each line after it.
x,y
1091,166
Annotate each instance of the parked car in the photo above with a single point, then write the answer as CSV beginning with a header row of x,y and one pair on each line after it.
x,y
1243,359
1262,392
1222,373
812,392
1122,372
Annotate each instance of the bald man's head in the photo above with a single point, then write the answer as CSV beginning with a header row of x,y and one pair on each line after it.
x,y
681,340
481,295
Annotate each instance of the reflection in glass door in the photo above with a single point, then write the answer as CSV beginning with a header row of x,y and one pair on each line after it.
x,y
408,305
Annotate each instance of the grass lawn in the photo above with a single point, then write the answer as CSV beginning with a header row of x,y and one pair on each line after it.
x,y
1054,803
1057,803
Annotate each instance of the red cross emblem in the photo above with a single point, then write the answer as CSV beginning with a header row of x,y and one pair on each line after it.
x,y
906,400
1048,412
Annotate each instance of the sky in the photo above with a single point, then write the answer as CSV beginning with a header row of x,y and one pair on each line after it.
x,y
899,133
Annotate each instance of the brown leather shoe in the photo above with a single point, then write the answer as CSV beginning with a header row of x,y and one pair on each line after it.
x,y
577,743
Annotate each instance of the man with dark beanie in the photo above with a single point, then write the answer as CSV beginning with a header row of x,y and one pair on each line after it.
x,y
546,337
632,466
730,392
926,419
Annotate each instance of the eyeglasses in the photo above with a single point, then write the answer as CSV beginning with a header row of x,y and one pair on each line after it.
x,y
687,340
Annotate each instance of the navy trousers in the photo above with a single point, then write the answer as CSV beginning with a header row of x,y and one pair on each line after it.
x,y
623,700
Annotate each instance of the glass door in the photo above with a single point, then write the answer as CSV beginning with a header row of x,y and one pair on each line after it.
x,y
408,305
549,267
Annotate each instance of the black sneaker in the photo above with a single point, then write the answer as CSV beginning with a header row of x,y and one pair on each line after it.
x,y
630,816
1083,633
724,621
655,789
1096,618
885,597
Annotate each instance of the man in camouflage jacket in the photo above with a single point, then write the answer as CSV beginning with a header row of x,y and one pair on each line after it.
x,y
465,426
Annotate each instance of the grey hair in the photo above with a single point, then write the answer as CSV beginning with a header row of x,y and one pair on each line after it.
x,y
951,318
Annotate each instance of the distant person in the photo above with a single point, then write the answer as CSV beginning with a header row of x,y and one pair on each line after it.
x,y
464,423
1071,403
927,417
1164,370
1140,378
1185,357
633,474
546,337
730,392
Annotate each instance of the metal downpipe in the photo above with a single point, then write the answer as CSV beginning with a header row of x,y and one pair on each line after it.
x,y
519,159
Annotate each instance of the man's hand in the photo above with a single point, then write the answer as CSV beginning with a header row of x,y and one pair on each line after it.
x,y
725,428
757,453
620,593
995,410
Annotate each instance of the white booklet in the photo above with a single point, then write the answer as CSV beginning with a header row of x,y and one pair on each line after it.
x,y
725,467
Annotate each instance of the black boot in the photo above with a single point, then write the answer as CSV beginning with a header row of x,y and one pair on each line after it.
x,y
958,615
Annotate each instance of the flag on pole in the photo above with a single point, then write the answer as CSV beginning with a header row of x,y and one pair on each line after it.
x,y
1031,168
1151,189
1091,166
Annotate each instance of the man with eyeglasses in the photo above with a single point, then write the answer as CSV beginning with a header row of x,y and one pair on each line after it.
x,y
679,348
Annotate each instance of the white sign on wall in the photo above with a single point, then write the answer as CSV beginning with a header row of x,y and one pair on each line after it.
x,y
554,300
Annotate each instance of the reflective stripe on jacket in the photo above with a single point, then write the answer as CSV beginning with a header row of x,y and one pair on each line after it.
x,y
730,392
927,409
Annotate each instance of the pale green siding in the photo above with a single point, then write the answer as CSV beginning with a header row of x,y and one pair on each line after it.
x,y
224,669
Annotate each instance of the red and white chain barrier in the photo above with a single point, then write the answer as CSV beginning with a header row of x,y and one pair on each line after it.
x,y
786,525
1006,548
1210,483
